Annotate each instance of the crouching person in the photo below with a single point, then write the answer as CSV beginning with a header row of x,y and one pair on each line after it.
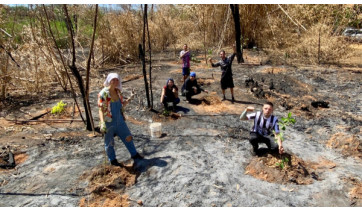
x,y
191,88
264,125
169,95
110,103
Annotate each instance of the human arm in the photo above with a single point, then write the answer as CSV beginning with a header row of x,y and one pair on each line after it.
x,y
182,54
243,114
162,95
175,92
233,55
279,136
279,141
102,124
214,64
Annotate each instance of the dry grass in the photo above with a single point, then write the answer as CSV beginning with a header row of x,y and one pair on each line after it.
x,y
106,185
350,145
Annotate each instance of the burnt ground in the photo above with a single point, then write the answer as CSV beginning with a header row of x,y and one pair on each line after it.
x,y
203,157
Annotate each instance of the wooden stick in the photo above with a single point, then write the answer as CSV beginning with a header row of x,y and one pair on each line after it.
x,y
6,33
297,24
46,120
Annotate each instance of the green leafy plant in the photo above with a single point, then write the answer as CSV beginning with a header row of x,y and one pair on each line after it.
x,y
194,59
285,121
282,163
166,112
59,108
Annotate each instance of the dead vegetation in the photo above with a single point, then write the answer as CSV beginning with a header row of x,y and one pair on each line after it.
x,y
295,170
106,187
350,145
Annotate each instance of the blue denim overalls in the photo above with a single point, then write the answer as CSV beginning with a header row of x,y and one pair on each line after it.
x,y
117,127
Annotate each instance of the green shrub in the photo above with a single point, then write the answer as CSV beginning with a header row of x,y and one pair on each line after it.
x,y
59,108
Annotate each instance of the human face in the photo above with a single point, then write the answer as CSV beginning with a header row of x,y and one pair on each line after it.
x,y
170,83
267,110
114,83
192,78
222,55
185,47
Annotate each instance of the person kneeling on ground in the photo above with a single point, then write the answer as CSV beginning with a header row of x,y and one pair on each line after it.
x,y
264,124
110,103
169,96
191,88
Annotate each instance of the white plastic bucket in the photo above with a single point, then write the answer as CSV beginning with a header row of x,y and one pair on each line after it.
x,y
156,130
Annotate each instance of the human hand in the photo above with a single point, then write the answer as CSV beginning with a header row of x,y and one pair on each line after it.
x,y
103,127
250,109
174,90
281,149
206,91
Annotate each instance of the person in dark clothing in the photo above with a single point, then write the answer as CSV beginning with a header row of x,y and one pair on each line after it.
x,y
170,95
265,126
227,75
190,87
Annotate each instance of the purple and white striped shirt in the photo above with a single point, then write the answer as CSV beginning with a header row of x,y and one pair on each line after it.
x,y
262,125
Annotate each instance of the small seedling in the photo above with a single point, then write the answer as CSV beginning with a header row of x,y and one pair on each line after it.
x,y
59,108
282,163
194,59
285,121
166,112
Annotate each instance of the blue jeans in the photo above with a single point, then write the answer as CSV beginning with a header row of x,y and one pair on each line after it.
x,y
117,127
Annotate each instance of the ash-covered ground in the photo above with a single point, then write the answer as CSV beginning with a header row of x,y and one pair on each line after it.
x,y
203,157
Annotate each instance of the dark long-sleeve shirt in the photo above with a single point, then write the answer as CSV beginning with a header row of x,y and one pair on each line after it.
x,y
189,84
225,66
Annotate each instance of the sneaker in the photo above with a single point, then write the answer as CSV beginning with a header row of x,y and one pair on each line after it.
x,y
137,156
116,163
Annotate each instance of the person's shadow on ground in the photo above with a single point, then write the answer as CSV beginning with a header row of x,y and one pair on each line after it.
x,y
142,165
182,109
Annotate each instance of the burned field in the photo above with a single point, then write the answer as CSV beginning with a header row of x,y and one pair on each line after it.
x,y
203,156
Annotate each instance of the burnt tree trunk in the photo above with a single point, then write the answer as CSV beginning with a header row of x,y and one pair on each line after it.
x,y
142,55
236,16
149,50
77,75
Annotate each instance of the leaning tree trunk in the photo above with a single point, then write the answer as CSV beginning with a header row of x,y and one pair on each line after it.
x,y
236,16
77,75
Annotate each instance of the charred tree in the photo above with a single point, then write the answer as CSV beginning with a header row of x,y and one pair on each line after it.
x,y
62,60
74,69
236,16
142,56
149,50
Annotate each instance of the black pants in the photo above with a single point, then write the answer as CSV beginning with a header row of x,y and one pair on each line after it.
x,y
256,138
191,93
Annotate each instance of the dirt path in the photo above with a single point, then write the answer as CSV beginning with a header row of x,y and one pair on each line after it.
x,y
203,158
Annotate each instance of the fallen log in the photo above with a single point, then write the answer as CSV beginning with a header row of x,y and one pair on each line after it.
x,y
19,121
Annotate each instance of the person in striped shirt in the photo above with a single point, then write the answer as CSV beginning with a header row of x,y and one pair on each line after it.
x,y
265,126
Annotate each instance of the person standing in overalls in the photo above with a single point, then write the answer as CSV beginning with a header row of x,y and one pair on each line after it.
x,y
110,103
